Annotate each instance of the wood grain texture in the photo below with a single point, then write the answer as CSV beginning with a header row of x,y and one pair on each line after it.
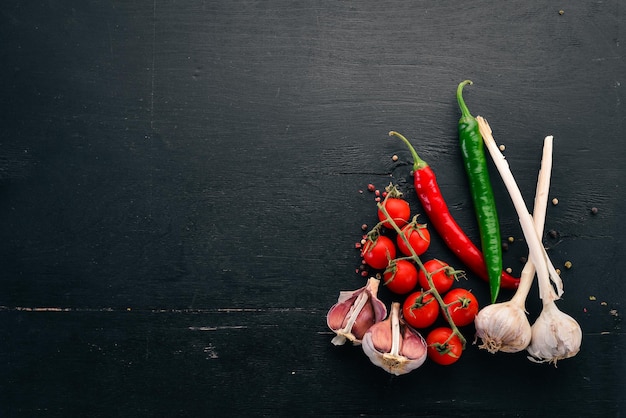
x,y
181,188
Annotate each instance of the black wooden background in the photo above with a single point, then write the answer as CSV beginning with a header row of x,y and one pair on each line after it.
x,y
181,190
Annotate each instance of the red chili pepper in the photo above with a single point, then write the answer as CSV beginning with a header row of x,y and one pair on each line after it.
x,y
437,211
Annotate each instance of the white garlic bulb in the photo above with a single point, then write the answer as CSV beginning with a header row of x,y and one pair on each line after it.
x,y
555,336
393,346
503,327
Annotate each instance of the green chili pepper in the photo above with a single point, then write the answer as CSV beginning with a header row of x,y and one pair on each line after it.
x,y
475,163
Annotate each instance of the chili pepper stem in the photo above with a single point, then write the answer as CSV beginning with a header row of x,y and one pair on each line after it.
x,y
465,113
417,260
418,163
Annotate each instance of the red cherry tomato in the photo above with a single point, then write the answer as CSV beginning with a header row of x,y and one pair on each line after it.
x,y
378,252
443,349
398,209
442,275
418,237
400,277
420,310
462,305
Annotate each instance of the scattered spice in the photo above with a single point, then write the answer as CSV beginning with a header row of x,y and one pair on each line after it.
x,y
394,158
594,210
511,239
371,187
592,298
555,201
568,264
502,147
364,227
561,12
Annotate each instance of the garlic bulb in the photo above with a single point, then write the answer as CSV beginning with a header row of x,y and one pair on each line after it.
x,y
355,312
503,327
394,346
555,336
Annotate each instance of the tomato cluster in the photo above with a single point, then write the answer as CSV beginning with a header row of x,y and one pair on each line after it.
x,y
395,250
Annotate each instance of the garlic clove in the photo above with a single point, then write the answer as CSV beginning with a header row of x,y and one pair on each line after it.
x,y
355,312
503,327
413,344
555,336
393,346
380,336
336,316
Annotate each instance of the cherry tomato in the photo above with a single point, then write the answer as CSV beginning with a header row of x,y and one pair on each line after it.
x,y
442,275
441,348
378,252
462,305
418,237
398,209
420,310
400,277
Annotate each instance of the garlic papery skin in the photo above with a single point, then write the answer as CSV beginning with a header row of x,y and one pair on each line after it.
x,y
355,312
555,336
394,346
503,327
